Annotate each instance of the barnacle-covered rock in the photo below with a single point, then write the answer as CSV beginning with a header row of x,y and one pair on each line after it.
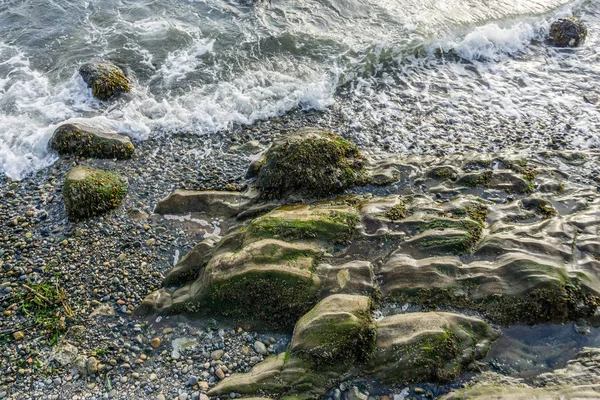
x,y
90,191
105,79
89,141
568,32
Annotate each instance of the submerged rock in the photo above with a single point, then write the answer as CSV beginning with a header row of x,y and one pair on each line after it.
x,y
580,379
311,163
90,191
105,79
89,141
568,32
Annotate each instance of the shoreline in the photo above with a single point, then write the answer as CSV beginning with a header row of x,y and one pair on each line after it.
x,y
107,265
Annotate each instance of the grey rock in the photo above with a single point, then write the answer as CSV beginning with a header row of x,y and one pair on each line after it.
x,y
260,348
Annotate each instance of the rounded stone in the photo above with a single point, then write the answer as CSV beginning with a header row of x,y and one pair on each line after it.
x,y
260,348
155,343
88,192
90,141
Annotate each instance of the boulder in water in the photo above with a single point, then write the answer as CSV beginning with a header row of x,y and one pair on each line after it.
x,y
90,191
89,141
568,32
310,162
105,79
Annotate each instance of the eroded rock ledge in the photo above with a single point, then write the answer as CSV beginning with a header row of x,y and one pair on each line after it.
x,y
513,239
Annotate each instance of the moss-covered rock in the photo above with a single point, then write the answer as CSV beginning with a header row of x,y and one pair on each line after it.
x,y
321,223
268,284
420,347
281,375
312,163
338,330
514,289
90,191
333,343
266,272
88,141
568,32
105,79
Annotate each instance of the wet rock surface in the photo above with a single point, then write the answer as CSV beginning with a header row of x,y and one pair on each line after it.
x,y
105,79
89,141
568,32
516,255
578,380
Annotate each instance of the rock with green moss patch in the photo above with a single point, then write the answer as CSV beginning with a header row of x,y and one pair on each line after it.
x,y
311,163
88,192
88,141
266,282
333,343
435,346
513,289
266,272
339,329
105,79
281,375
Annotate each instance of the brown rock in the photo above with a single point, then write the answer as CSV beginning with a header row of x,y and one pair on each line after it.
x,y
155,343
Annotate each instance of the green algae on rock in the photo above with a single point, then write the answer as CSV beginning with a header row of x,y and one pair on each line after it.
x,y
434,346
310,162
339,329
266,272
514,256
88,192
398,349
88,141
105,79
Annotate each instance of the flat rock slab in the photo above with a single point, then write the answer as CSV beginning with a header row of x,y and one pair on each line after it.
x,y
89,141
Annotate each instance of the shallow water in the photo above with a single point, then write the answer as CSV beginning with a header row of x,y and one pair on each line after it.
x,y
204,66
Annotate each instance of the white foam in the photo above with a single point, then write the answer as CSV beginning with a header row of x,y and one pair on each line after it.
x,y
492,42
182,62
32,106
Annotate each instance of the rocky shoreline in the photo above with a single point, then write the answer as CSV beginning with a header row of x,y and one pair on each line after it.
x,y
68,290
